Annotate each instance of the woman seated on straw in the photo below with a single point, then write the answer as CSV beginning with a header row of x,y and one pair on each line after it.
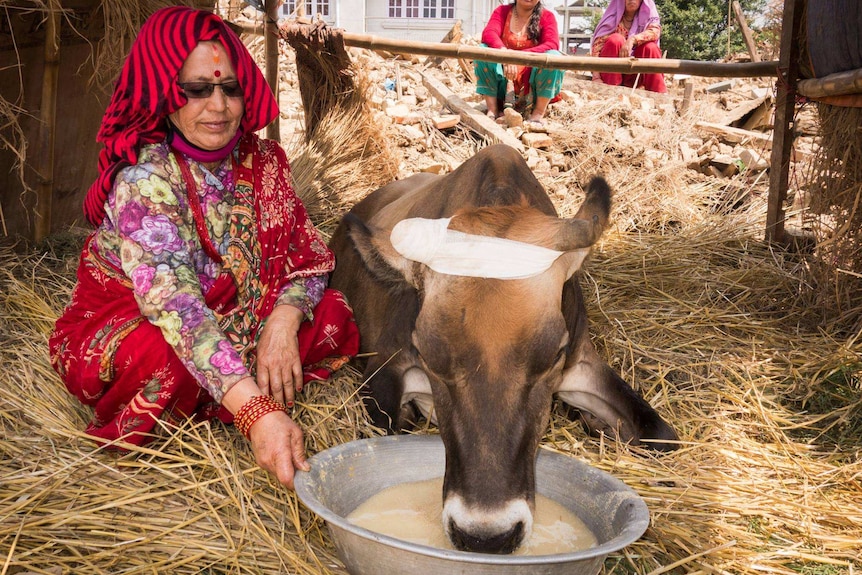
x,y
526,26
629,28
202,291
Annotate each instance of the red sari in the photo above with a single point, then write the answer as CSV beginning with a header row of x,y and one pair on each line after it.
x,y
111,357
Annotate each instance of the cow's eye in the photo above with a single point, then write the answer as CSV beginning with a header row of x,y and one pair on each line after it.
x,y
432,350
561,354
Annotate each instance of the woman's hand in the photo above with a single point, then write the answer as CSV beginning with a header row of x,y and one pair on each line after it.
x,y
279,369
278,445
511,71
277,441
626,49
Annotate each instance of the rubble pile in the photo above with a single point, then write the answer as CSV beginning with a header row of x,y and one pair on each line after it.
x,y
728,122
705,129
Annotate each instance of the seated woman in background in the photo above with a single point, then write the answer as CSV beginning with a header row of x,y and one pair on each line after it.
x,y
522,25
629,28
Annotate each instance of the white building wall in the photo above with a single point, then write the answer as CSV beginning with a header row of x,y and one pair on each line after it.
x,y
350,15
473,15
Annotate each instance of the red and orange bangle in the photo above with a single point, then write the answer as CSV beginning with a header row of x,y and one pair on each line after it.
x,y
254,409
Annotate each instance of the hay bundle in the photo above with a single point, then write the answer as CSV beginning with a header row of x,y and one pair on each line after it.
x,y
344,160
345,154
323,70
836,201
190,502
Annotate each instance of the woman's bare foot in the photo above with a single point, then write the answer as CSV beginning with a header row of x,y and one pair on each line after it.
x,y
535,124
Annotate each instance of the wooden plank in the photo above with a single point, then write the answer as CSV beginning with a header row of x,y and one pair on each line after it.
x,y
467,69
452,37
47,124
785,105
688,92
732,134
760,117
746,32
469,115
744,109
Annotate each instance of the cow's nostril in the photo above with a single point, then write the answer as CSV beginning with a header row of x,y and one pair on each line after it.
x,y
499,543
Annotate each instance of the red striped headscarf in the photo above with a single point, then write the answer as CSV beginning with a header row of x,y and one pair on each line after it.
x,y
147,92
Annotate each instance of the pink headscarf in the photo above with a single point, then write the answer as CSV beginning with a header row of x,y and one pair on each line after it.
x,y
647,14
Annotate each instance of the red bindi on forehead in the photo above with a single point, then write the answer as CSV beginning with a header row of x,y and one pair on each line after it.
x,y
216,60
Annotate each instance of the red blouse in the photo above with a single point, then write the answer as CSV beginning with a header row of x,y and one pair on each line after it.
x,y
497,31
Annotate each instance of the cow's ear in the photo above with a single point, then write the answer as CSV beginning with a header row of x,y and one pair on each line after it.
x,y
381,259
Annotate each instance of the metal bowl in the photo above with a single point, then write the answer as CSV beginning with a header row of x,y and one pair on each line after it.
x,y
343,477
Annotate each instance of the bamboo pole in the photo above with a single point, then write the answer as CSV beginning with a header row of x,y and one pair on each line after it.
x,y
561,62
785,105
838,84
47,124
273,130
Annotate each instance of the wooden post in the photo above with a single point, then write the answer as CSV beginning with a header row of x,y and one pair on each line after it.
x,y
746,32
785,105
273,130
47,124
688,92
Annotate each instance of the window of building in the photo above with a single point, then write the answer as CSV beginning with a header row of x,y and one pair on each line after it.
x,y
429,9
312,7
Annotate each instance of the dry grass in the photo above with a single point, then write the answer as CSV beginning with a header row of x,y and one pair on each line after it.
x,y
712,325
706,319
835,195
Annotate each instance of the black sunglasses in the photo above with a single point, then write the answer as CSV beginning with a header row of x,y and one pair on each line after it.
x,y
200,90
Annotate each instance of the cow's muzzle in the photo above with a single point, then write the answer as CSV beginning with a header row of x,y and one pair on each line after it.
x,y
482,530
500,543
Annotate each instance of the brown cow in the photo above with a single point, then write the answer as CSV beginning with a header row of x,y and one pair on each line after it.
x,y
490,352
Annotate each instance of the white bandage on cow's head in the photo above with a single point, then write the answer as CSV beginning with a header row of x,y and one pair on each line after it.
x,y
457,253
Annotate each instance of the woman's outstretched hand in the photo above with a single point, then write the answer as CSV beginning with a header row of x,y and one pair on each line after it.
x,y
276,440
278,445
627,48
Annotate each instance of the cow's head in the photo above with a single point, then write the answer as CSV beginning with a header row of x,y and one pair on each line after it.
x,y
493,349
